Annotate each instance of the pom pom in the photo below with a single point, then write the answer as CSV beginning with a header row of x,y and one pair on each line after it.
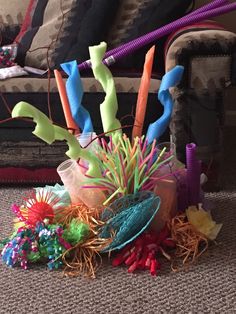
x,y
76,232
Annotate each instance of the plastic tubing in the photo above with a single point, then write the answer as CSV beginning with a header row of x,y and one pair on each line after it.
x,y
73,180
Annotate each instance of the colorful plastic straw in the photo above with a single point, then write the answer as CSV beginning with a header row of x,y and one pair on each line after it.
x,y
143,94
164,30
65,102
74,90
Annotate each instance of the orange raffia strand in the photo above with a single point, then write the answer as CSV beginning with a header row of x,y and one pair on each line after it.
x,y
187,239
90,216
81,259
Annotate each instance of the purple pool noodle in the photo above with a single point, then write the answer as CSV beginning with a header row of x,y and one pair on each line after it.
x,y
164,30
193,174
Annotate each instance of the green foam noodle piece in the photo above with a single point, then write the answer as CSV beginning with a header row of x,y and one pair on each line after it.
x,y
109,107
48,132
44,128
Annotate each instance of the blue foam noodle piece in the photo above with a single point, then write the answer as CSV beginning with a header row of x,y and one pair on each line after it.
x,y
74,90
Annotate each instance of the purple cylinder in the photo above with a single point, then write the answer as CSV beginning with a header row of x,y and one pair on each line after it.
x,y
164,30
193,174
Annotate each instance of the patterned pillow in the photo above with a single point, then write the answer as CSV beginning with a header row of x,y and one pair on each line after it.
x,y
56,26
11,18
12,12
8,34
94,28
138,17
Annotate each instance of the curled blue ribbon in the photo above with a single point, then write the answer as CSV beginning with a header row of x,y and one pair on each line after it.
x,y
74,90
170,79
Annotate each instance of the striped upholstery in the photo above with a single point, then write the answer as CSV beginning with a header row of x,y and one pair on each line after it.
x,y
40,85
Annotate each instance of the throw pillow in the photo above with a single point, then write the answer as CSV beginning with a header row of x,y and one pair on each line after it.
x,y
94,27
62,30
138,17
8,34
11,18
12,12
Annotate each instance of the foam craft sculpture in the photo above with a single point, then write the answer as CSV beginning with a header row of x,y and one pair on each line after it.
x,y
109,107
49,133
124,50
170,79
143,94
74,89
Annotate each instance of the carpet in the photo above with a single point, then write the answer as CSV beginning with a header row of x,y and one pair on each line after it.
x,y
206,287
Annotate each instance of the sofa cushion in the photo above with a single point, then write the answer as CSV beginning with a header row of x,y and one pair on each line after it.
x,y
62,31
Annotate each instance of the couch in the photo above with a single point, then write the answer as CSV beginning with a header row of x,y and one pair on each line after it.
x,y
50,32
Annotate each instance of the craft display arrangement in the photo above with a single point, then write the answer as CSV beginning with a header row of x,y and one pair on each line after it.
x,y
129,198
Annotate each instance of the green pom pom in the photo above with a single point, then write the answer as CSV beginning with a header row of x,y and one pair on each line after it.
x,y
34,256
76,232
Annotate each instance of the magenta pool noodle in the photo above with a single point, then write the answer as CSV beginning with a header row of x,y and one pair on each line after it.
x,y
164,30
193,174
209,6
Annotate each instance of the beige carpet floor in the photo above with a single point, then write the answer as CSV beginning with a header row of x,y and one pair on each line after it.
x,y
207,287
